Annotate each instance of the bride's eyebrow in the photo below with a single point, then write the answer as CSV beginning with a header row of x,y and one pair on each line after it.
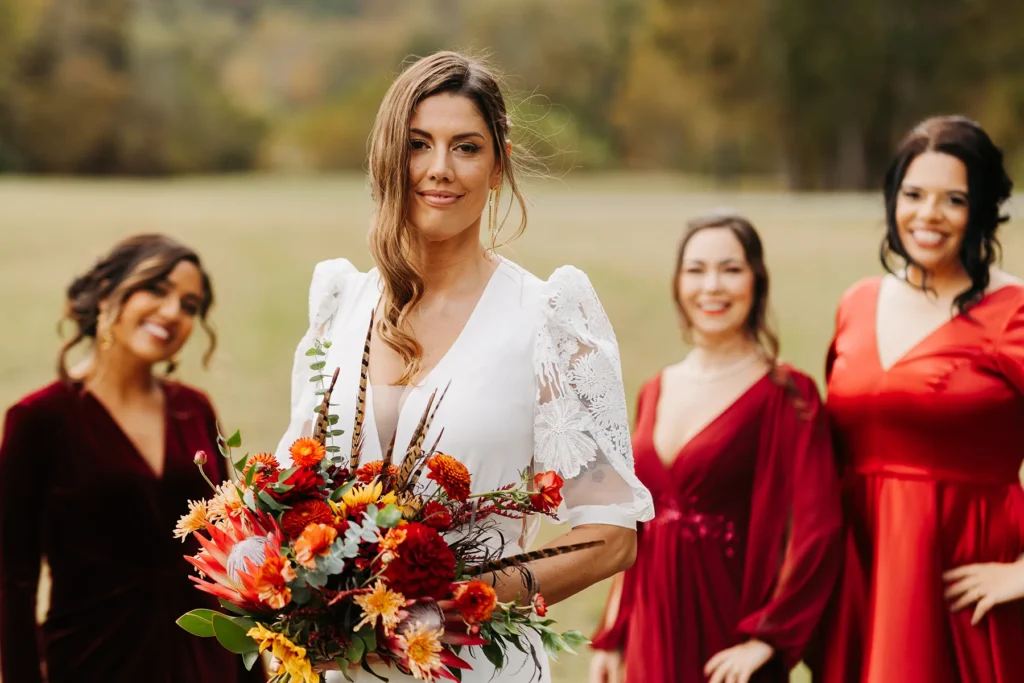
x,y
460,136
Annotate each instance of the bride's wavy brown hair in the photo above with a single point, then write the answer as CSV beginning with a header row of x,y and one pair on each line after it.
x,y
443,72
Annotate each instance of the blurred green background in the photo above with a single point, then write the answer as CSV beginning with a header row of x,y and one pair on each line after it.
x,y
240,126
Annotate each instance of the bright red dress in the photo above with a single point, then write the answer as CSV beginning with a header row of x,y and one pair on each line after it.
x,y
746,539
931,450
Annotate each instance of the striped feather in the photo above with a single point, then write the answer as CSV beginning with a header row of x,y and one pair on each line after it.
x,y
357,429
322,424
532,556
415,477
412,456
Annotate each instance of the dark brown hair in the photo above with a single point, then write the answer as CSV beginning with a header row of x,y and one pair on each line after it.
x,y
988,186
443,72
757,324
134,264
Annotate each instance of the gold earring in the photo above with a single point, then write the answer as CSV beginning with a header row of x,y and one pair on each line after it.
x,y
493,199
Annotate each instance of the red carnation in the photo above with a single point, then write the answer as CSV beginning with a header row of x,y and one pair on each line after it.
x,y
539,606
305,512
436,516
475,600
425,566
549,492
305,484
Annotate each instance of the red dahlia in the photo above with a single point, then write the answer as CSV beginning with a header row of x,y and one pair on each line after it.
x,y
425,566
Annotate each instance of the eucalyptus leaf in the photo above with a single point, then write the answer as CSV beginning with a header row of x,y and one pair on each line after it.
x,y
312,352
319,365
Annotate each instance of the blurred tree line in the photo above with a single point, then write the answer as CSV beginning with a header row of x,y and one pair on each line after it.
x,y
812,92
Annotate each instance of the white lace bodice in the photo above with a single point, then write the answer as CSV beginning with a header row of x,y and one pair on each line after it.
x,y
535,381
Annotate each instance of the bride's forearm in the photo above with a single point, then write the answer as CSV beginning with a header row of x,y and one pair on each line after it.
x,y
561,577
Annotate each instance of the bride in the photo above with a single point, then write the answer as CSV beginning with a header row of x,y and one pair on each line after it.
x,y
532,367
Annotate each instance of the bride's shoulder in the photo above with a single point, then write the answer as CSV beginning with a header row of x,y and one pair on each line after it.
x,y
333,280
564,281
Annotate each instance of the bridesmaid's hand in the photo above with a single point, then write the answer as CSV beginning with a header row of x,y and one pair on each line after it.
x,y
737,664
607,667
987,585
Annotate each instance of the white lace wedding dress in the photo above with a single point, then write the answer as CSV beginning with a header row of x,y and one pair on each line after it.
x,y
535,380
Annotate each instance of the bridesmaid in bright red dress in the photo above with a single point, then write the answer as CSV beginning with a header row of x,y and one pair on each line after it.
x,y
735,570
926,392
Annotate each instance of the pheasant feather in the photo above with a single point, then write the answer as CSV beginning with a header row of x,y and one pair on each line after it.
x,y
364,376
416,445
322,424
532,556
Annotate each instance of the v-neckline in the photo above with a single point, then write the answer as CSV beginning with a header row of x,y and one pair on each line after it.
x,y
412,388
668,465
934,332
134,447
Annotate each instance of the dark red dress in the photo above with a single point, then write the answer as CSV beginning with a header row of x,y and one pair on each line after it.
x,y
931,449
73,489
745,541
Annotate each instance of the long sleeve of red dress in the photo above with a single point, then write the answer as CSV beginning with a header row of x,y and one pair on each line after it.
x,y
22,504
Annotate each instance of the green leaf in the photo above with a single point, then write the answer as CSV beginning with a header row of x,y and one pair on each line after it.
x,y
494,655
232,607
337,432
575,639
248,477
240,463
327,344
332,420
232,636
355,651
369,638
249,658
342,490
333,449
317,378
270,502
367,669
311,352
197,622
283,476
389,516
319,365
235,441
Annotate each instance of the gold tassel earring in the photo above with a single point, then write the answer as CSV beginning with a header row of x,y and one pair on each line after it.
x,y
493,199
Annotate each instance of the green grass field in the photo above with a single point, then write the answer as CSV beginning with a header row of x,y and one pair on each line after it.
x,y
261,236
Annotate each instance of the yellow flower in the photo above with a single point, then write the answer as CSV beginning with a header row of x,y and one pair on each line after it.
x,y
359,498
225,503
194,520
293,658
383,603
422,648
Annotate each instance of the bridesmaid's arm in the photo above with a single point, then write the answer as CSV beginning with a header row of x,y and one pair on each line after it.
x,y
22,452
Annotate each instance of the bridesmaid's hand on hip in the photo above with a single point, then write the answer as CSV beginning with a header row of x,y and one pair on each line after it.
x,y
985,586
738,663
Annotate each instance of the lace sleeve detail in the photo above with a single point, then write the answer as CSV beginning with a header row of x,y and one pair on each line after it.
x,y
580,420
325,293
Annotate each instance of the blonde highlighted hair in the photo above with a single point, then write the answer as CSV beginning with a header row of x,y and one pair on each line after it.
x,y
443,72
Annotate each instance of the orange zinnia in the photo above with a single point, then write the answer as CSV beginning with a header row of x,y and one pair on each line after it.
x,y
372,469
315,540
475,601
271,580
451,475
265,466
307,452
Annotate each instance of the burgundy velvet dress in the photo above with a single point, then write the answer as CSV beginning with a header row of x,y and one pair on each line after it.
x,y
745,542
74,489
931,448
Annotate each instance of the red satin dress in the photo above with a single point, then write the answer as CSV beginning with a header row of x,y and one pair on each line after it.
x,y
746,539
931,449
74,489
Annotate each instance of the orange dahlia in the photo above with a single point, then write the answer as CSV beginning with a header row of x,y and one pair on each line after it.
x,y
451,475
307,452
306,512
264,467
315,540
475,600
271,581
372,469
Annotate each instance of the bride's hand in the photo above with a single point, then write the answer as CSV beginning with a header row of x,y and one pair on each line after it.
x,y
987,585
737,664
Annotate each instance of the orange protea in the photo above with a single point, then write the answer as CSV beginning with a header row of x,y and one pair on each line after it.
x,y
232,556
271,580
226,504
420,646
307,452
451,475
315,540
475,600
195,520
382,603
356,500
265,467
295,520
372,469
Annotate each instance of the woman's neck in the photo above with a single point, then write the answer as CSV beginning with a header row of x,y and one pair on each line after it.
x,y
712,354
945,283
114,375
453,264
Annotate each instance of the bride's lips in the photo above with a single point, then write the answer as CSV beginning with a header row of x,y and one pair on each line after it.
x,y
439,198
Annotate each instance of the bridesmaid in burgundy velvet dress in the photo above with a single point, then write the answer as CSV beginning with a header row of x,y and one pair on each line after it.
x,y
735,570
95,470
926,391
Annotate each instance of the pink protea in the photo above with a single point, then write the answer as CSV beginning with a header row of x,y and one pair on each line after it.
x,y
232,555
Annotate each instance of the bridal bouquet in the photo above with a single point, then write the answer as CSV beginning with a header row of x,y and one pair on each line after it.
x,y
364,564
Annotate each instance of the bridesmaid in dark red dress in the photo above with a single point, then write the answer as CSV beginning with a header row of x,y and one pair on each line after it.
x,y
95,470
735,570
926,391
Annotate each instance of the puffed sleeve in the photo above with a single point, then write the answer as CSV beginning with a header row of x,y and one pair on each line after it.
x,y
326,292
580,421
1010,349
